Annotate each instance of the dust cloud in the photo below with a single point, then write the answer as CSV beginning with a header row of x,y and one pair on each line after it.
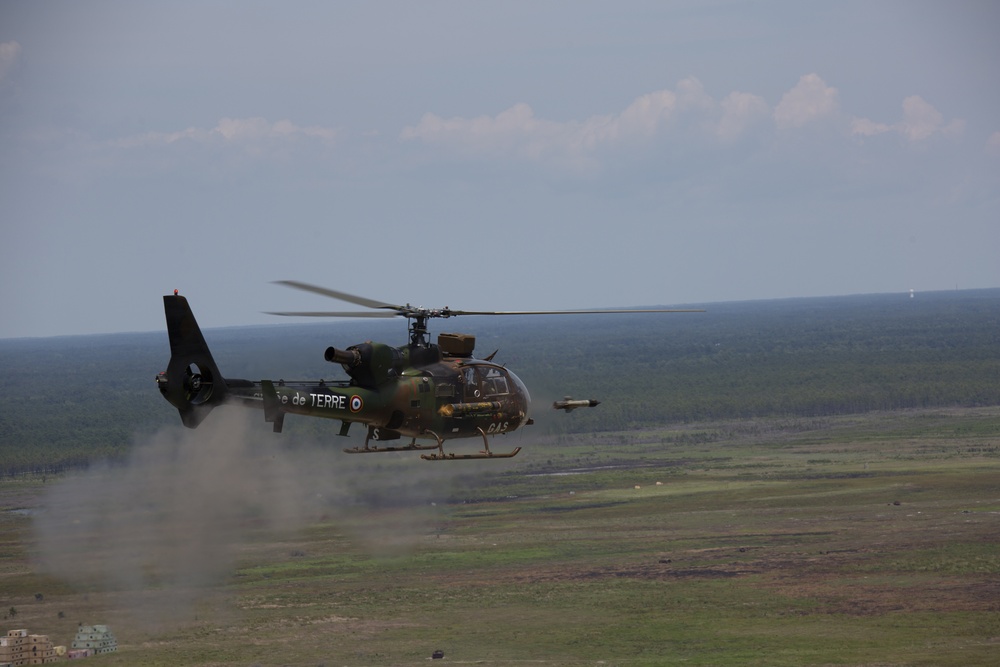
x,y
173,520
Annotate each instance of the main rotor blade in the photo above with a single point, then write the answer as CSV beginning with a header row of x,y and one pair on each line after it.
x,y
362,313
573,312
424,313
334,294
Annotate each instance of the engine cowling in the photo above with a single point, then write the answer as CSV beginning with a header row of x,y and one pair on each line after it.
x,y
368,364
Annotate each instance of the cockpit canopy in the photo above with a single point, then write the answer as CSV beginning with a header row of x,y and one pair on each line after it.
x,y
485,382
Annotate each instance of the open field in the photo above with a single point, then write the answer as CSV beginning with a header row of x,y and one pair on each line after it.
x,y
854,540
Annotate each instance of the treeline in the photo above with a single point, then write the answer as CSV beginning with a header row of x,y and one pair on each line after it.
x,y
67,402
70,401
793,357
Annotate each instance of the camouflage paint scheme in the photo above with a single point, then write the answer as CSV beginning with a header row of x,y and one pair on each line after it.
x,y
419,391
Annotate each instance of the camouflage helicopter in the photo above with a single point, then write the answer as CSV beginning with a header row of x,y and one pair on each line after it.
x,y
421,390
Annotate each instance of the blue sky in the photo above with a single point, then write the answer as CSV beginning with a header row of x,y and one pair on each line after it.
x,y
515,155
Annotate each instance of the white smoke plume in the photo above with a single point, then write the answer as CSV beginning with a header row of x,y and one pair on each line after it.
x,y
170,522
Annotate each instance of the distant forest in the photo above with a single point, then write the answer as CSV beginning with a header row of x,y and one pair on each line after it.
x,y
71,401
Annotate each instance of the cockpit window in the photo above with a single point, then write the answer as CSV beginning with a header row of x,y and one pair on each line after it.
x,y
483,383
495,383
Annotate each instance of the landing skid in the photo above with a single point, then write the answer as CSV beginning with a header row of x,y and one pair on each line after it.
x,y
459,457
413,446
486,454
440,455
374,450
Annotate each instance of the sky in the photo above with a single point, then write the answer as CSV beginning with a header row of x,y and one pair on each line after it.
x,y
488,156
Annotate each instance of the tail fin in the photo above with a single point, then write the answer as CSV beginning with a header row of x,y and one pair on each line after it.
x,y
192,382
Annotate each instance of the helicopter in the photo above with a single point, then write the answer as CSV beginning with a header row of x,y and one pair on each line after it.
x,y
421,390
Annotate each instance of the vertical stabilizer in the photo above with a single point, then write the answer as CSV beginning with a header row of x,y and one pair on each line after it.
x,y
192,382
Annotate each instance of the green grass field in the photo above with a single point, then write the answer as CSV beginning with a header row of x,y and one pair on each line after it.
x,y
857,540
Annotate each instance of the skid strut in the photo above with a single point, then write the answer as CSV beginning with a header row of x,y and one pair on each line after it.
x,y
485,454
413,446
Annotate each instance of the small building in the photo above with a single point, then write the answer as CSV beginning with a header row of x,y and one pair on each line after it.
x,y
19,648
96,638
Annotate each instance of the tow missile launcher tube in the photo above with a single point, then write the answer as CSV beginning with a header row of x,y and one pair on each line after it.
x,y
467,409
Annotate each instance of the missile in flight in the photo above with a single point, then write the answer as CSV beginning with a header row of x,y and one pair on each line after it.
x,y
568,404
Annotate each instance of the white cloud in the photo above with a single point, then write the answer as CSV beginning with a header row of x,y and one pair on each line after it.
x,y
514,131
235,131
810,100
684,114
868,128
739,112
644,116
257,129
692,95
920,119
920,122
658,123
517,132
10,53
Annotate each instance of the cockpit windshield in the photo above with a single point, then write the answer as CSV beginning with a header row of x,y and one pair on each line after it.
x,y
495,383
485,382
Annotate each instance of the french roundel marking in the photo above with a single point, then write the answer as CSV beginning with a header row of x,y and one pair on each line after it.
x,y
356,404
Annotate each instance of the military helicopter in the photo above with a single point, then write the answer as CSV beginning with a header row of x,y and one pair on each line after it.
x,y
422,391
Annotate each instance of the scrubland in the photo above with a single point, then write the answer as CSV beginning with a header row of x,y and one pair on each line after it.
x,y
844,540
